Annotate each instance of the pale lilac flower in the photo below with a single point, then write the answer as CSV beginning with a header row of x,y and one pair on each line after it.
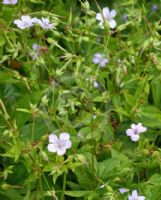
x,y
24,23
123,190
36,51
96,84
154,8
135,130
106,16
7,2
99,59
59,145
80,135
44,23
36,20
35,46
125,17
134,196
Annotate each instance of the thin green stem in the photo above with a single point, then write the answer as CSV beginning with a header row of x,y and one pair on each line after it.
x,y
52,194
33,129
64,186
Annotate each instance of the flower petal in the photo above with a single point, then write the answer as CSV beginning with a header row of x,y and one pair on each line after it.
x,y
68,144
135,194
123,190
129,132
52,148
141,128
36,20
98,55
96,60
135,137
53,138
133,126
113,13
103,62
130,197
35,46
64,136
141,198
25,18
106,12
17,21
99,17
61,151
112,23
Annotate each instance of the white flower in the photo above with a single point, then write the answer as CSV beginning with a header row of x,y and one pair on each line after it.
x,y
59,145
123,190
99,59
44,23
36,20
107,16
135,130
96,84
9,2
134,196
24,23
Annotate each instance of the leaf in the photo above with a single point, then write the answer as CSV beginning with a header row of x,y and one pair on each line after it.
x,y
77,193
149,116
2,39
12,194
130,99
156,92
6,77
37,1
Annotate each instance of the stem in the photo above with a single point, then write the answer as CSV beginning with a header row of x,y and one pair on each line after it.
x,y
52,194
92,136
64,185
33,129
41,190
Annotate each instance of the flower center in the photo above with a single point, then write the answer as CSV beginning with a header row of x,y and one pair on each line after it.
x,y
61,143
135,131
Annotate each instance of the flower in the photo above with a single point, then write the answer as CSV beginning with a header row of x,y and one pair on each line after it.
x,y
107,16
154,8
36,20
44,23
125,17
123,190
135,130
24,23
96,84
135,196
36,51
80,135
99,59
35,46
59,145
10,2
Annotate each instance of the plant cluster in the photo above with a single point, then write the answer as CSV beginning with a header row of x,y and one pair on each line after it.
x,y
80,100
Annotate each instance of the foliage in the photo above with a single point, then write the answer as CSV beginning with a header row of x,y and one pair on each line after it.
x,y
59,89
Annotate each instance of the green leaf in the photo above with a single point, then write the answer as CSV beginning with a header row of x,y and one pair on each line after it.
x,y
156,92
149,116
6,77
2,39
77,193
